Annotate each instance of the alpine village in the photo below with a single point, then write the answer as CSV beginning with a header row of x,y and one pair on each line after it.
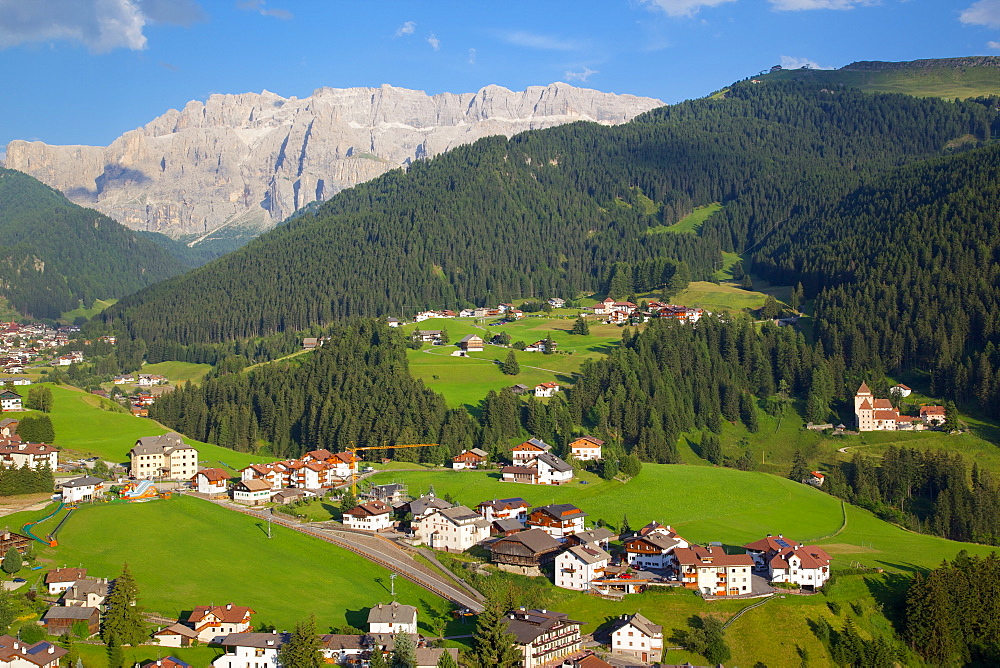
x,y
545,378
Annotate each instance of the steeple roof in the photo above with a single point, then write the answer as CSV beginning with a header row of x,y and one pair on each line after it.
x,y
864,389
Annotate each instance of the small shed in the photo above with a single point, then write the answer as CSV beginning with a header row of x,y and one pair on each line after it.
x,y
60,619
528,548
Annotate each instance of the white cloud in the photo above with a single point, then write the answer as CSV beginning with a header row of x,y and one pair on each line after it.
x,y
683,7
472,56
260,6
800,5
992,45
982,13
434,42
580,76
100,25
791,63
406,29
546,42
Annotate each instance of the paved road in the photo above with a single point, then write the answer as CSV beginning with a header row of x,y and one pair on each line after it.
x,y
376,549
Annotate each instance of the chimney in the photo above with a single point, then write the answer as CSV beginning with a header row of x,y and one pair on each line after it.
x,y
52,648
769,536
781,535
229,606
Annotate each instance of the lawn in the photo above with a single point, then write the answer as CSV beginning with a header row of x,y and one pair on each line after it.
x,y
178,373
88,313
467,380
91,425
96,656
690,223
705,503
719,297
185,552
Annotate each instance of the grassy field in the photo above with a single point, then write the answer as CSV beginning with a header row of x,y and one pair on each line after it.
x,y
944,82
466,380
90,425
96,656
690,223
185,552
719,297
88,313
178,373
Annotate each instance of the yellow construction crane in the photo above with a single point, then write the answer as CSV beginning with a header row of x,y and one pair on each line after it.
x,y
355,459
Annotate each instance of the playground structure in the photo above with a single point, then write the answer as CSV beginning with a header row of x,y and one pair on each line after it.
x,y
50,540
142,490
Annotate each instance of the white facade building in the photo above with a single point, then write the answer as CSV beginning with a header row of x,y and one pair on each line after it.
x,y
577,566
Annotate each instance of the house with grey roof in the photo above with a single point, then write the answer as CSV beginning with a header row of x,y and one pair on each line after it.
x,y
543,636
84,488
392,618
165,456
452,529
636,637
249,650
579,565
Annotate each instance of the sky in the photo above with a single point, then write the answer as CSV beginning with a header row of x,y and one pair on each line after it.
x,y
86,71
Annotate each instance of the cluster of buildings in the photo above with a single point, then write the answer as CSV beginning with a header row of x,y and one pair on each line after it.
x,y
140,380
15,453
621,312
533,462
874,414
23,344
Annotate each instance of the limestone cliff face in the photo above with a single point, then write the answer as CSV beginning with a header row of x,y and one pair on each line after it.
x,y
251,160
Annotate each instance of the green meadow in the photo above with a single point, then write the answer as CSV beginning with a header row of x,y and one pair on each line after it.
x,y
185,552
88,313
690,223
90,425
945,82
178,373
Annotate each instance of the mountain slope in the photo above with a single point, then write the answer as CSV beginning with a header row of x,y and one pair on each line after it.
x,y
246,162
552,212
948,78
55,254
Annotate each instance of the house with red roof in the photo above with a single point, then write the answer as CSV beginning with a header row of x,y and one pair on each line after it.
x,y
711,571
371,516
785,560
214,482
212,623
586,448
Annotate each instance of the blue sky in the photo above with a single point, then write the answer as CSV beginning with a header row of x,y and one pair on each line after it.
x,y
85,71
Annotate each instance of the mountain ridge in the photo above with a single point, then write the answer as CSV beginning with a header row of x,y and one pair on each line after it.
x,y
250,160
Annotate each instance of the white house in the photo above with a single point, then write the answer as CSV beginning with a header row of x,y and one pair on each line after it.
x,y
213,482
505,509
578,565
900,390
10,401
452,529
552,470
559,520
713,572
556,302
16,654
653,547
546,389
586,448
805,565
392,619
252,492
543,636
61,579
163,456
36,455
371,516
529,450
636,637
212,623
251,650
84,488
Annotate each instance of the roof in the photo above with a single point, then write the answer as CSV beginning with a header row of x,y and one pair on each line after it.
x,y
470,337
810,556
88,586
336,641
461,514
592,661
644,626
272,640
519,469
536,443
429,656
37,654
594,535
554,462
589,442
505,504
254,485
527,625
657,540
508,524
395,613
886,415
213,475
228,613
560,511
82,481
178,630
426,502
696,555
536,540
588,554
480,452
931,410
771,543
157,445
863,389
369,508
65,575
883,403
70,612
166,662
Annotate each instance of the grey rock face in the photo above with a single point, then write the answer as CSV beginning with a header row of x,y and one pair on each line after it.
x,y
251,160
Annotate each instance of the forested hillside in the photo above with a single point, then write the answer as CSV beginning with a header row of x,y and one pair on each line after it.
x,y
906,274
55,254
551,212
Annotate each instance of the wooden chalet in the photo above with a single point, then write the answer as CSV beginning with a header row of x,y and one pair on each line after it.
x,y
531,548
558,520
9,539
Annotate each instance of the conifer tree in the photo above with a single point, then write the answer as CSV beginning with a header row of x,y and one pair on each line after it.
x,y
302,649
122,623
580,326
493,645
404,653
510,365
447,661
800,469
377,659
